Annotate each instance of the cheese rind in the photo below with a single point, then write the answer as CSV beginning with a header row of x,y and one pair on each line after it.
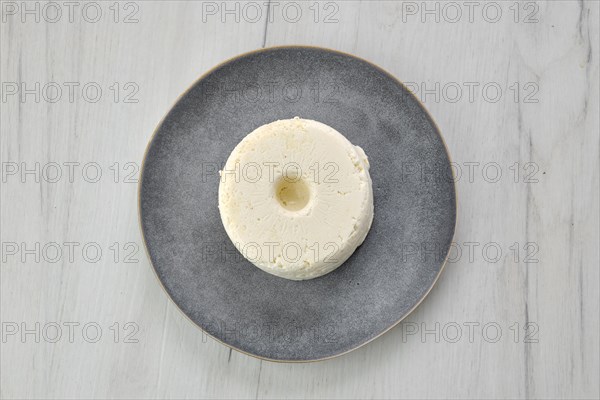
x,y
296,198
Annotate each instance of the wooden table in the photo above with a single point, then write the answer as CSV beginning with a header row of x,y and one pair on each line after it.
x,y
514,88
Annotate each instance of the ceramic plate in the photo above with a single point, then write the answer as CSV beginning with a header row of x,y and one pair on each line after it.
x,y
380,284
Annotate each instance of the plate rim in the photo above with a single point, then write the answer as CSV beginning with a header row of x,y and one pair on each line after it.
x,y
263,50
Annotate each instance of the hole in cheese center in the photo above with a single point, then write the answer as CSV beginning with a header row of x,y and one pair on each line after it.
x,y
292,194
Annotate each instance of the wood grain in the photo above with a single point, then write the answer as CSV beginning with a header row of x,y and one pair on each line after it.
x,y
541,133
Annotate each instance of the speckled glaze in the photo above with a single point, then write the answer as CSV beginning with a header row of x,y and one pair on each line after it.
x,y
385,279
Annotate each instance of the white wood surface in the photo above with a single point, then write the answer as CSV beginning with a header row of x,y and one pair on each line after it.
x,y
553,61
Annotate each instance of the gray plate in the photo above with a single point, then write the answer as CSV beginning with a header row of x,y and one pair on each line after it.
x,y
385,279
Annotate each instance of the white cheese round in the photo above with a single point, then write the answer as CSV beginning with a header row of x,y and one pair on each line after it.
x,y
296,198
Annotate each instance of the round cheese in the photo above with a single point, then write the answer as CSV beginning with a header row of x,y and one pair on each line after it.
x,y
296,198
